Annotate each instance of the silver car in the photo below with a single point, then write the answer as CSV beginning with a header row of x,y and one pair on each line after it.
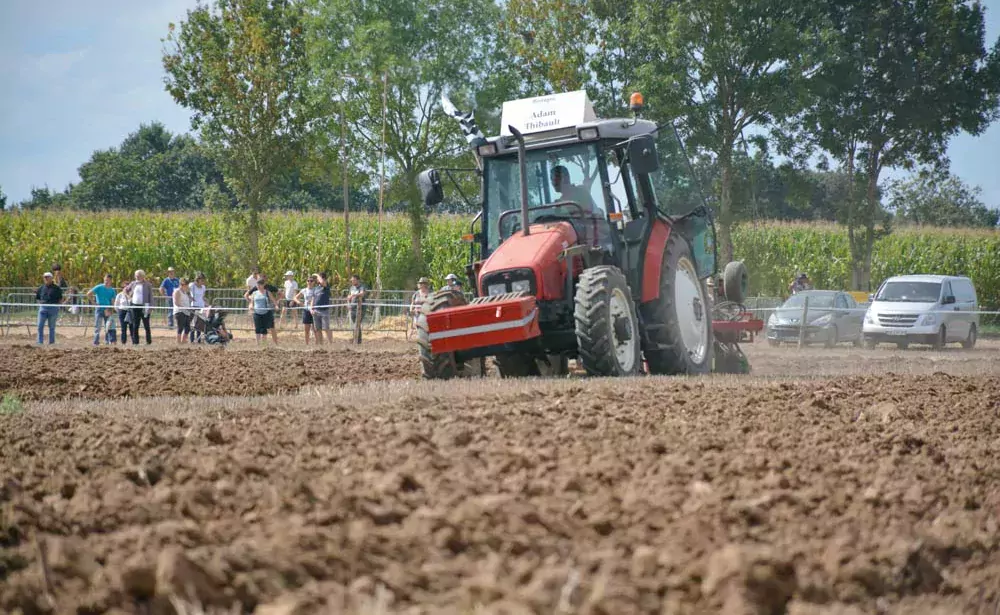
x,y
833,317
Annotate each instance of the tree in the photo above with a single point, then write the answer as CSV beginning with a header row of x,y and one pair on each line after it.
x,y
721,67
565,45
941,199
242,69
898,79
3,199
151,169
405,54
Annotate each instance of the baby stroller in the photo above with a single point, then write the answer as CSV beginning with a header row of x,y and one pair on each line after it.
x,y
211,324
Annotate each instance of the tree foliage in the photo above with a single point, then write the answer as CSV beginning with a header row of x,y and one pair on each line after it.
x,y
399,56
721,67
898,78
941,199
240,66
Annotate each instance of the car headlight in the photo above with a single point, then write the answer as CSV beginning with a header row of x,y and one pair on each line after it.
x,y
823,320
928,319
869,318
772,319
496,289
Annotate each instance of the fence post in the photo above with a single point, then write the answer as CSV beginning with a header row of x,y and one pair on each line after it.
x,y
802,323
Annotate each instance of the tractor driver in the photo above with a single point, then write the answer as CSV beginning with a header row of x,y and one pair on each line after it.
x,y
576,194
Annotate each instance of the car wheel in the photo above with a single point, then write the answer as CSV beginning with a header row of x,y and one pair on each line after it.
x,y
941,340
833,338
970,342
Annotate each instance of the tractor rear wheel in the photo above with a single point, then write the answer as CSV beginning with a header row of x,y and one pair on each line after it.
x,y
679,321
441,366
607,326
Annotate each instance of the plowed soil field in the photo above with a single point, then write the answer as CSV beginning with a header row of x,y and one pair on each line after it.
x,y
284,482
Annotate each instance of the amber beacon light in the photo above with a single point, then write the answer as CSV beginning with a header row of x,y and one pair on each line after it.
x,y
636,102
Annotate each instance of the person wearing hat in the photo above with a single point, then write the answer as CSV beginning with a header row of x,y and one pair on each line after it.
x,y
452,283
167,288
49,295
291,289
423,294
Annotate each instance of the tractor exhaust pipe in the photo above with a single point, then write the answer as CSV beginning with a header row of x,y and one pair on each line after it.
x,y
523,166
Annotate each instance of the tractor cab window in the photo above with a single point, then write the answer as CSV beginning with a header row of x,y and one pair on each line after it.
x,y
675,188
571,173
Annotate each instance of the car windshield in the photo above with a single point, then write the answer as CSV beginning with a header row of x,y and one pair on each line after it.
x,y
912,292
569,173
816,300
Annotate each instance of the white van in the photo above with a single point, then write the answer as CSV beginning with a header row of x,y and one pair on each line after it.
x,y
922,309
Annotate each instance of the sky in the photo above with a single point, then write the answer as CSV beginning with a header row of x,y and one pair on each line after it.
x,y
80,76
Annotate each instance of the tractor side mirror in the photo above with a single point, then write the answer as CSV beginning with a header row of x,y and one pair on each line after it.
x,y
642,154
430,187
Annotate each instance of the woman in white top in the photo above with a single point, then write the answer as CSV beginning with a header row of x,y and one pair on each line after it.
x,y
305,299
182,311
123,305
198,291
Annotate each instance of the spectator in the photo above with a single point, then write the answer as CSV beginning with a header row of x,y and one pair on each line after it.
x,y
305,298
800,283
356,294
49,295
423,294
122,305
320,307
140,293
252,279
291,290
264,306
452,283
198,291
167,288
105,295
181,304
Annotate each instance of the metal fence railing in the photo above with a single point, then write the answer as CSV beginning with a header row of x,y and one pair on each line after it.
x,y
384,311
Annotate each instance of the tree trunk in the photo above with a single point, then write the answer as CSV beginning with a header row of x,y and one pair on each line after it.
x,y
853,240
417,223
871,209
253,233
725,202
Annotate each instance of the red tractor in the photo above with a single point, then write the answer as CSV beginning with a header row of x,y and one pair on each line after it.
x,y
594,245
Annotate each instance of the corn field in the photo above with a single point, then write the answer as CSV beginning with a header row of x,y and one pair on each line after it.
x,y
88,244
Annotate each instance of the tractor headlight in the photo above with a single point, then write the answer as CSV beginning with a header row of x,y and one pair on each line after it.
x,y
496,289
519,286
510,281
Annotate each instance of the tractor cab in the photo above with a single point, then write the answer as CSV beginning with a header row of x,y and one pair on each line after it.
x,y
593,243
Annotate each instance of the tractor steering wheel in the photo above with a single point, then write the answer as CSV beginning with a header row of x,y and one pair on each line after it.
x,y
508,216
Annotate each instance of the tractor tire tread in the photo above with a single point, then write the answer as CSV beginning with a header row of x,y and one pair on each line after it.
x,y
665,352
595,347
437,366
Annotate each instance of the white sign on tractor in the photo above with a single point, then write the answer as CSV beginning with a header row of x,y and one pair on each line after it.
x,y
546,113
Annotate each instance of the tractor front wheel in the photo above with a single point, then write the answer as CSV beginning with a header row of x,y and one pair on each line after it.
x,y
441,366
679,321
607,327
523,366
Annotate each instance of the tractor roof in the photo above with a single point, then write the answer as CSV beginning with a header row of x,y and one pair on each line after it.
x,y
559,119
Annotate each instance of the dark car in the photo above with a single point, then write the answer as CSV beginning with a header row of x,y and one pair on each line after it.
x,y
834,316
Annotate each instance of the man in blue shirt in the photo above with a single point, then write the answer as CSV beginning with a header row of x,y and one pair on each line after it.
x,y
105,295
167,288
